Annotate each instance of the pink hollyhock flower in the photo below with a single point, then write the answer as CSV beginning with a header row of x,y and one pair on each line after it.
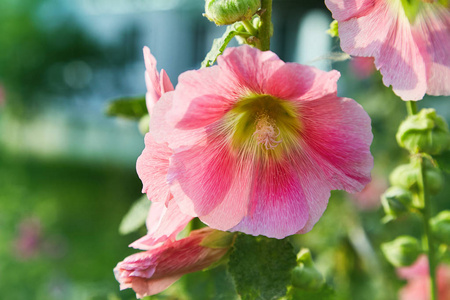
x,y
410,41
418,287
258,143
151,272
165,220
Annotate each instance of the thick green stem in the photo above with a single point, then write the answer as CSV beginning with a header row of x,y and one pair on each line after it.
x,y
266,23
428,234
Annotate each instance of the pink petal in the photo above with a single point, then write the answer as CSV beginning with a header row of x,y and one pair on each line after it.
x,y
432,32
205,176
333,129
152,166
292,81
163,223
384,32
344,10
156,84
278,206
164,131
249,67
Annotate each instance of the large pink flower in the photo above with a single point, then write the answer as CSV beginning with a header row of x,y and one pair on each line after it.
x,y
410,41
418,287
151,272
258,143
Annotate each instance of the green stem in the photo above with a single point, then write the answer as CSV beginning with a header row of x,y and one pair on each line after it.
x,y
249,27
428,234
266,23
411,107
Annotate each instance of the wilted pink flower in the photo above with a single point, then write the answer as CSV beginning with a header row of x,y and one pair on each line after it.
x,y
418,287
409,41
151,272
258,143
165,220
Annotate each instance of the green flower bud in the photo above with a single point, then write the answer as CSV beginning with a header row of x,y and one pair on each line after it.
x,y
424,132
333,30
305,275
403,251
226,12
440,226
396,201
406,176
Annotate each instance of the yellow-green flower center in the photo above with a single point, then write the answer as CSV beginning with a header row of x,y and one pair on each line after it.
x,y
262,125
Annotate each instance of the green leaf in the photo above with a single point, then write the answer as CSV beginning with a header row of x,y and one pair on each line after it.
x,y
136,216
127,107
219,46
261,267
325,293
443,161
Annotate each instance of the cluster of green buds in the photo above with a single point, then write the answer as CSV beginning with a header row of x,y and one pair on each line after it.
x,y
422,134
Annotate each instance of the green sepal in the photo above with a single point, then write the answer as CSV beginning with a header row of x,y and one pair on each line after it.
x,y
403,251
135,218
219,239
219,46
227,12
424,132
127,107
440,226
443,161
261,267
396,201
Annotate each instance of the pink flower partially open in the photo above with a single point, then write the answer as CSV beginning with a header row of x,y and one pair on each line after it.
x,y
410,41
151,272
157,83
258,143
165,220
418,287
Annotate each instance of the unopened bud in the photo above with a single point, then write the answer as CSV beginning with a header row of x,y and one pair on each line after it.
x,y
396,201
440,226
424,132
407,175
401,252
305,275
226,12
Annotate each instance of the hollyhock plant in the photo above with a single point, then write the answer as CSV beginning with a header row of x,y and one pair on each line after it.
x,y
151,272
410,41
258,144
418,286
